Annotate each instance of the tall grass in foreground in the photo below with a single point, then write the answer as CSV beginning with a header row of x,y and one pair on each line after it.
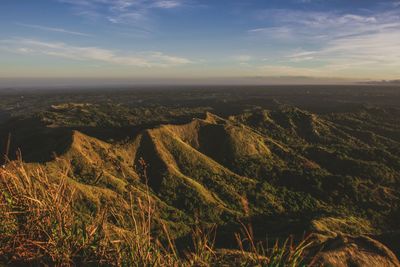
x,y
40,226
281,254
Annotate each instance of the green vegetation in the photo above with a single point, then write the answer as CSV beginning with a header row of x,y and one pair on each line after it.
x,y
112,183
41,225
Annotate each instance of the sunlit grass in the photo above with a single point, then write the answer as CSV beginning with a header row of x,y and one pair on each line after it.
x,y
40,226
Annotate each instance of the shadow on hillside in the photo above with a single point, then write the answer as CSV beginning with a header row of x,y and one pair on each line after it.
x,y
269,229
39,143
36,142
266,229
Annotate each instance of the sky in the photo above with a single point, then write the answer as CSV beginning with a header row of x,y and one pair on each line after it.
x,y
200,40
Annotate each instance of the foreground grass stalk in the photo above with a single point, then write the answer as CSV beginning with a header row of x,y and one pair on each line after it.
x,y
41,226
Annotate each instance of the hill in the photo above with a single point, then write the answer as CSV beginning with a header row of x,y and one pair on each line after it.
x,y
285,171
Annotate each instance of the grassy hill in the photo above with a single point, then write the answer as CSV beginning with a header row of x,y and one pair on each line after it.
x,y
285,171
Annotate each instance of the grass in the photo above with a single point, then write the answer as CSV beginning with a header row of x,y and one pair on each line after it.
x,y
286,253
40,226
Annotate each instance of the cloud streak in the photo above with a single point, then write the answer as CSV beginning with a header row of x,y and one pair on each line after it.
x,y
121,11
51,29
330,43
62,50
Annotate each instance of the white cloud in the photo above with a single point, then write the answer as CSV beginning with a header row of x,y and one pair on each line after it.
x,y
331,43
62,50
127,18
52,29
167,4
279,32
242,58
311,26
302,56
121,11
374,49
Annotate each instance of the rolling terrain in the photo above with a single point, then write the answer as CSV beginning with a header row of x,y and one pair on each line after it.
x,y
269,159
285,170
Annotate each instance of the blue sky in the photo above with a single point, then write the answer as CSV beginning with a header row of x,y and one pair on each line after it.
x,y
200,39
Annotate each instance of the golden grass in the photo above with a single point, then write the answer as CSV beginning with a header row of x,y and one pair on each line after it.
x,y
350,224
41,226
39,217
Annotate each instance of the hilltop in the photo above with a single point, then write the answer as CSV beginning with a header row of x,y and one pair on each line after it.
x,y
285,171
281,162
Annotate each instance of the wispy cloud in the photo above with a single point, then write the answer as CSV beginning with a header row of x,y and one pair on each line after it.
x,y
166,4
62,50
302,56
242,58
275,32
121,11
312,25
52,29
330,42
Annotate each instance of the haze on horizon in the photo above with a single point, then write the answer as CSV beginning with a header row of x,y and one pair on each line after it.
x,y
178,41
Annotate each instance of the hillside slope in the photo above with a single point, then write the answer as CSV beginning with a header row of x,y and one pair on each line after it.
x,y
287,171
